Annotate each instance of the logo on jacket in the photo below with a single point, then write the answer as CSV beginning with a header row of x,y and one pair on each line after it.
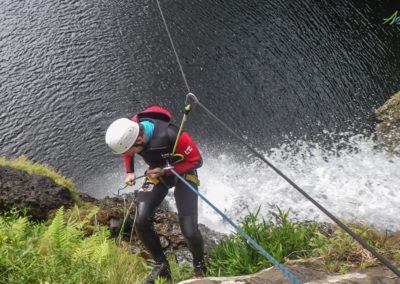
x,y
188,150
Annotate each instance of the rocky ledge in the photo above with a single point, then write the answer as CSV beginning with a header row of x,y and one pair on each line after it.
x,y
38,194
308,271
41,197
113,211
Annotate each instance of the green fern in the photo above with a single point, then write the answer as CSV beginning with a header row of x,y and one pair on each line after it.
x,y
83,218
59,253
101,253
56,235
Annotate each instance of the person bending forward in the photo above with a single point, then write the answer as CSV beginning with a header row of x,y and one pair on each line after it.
x,y
151,135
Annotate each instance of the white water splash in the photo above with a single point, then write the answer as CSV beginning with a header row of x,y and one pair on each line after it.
x,y
357,183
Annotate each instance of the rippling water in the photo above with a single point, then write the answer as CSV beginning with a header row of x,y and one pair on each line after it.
x,y
67,69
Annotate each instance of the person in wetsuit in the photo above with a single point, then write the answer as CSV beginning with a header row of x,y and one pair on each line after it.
x,y
151,135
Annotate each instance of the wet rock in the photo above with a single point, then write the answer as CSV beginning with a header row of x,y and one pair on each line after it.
x,y
211,238
183,257
164,242
307,274
115,225
388,124
38,194
113,210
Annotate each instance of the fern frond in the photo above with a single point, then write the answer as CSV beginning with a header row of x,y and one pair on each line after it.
x,y
55,232
101,253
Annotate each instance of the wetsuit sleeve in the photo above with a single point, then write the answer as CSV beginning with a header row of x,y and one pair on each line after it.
x,y
129,160
191,154
129,163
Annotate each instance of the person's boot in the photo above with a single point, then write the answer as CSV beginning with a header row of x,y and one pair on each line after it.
x,y
160,269
199,269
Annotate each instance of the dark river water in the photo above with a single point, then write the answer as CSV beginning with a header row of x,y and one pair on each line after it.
x,y
269,69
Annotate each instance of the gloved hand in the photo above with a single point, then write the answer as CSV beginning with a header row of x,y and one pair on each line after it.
x,y
130,179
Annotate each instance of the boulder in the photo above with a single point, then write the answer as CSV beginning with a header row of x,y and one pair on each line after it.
x,y
388,124
307,274
38,194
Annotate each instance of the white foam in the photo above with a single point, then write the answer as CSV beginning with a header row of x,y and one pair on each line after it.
x,y
356,183
362,184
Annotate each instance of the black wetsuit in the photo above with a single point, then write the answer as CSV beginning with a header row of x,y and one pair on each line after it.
x,y
151,195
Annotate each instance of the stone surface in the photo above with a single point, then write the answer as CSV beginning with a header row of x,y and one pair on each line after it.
x,y
166,224
307,275
38,194
388,124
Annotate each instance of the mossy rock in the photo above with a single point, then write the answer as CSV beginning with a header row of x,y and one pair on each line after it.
x,y
388,126
38,194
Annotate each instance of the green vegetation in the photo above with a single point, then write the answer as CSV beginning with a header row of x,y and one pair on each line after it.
x,y
24,164
340,251
70,249
283,240
286,240
59,253
73,248
65,251
179,272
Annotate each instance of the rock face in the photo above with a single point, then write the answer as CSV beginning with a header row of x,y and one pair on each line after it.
x,y
388,126
38,194
166,224
307,275
41,196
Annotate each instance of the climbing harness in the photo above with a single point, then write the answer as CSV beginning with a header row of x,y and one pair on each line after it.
x,y
252,149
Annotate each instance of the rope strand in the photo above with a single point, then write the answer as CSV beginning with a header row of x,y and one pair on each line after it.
x,y
173,47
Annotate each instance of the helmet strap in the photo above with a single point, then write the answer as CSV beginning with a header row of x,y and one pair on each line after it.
x,y
138,145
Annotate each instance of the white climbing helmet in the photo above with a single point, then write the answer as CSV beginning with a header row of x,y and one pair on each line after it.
x,y
121,135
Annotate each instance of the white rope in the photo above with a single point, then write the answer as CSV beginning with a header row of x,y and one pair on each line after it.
x,y
173,47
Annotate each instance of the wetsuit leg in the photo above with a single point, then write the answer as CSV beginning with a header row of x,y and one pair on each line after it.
x,y
186,203
149,198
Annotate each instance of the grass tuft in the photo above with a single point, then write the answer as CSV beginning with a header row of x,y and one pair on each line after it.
x,y
287,240
341,252
283,240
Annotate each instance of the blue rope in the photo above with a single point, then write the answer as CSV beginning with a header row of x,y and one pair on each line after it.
x,y
284,270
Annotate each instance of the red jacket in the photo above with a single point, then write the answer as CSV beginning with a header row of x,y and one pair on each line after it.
x,y
186,146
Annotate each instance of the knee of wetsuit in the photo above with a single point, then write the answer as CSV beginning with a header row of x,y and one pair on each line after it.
x,y
143,222
189,227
